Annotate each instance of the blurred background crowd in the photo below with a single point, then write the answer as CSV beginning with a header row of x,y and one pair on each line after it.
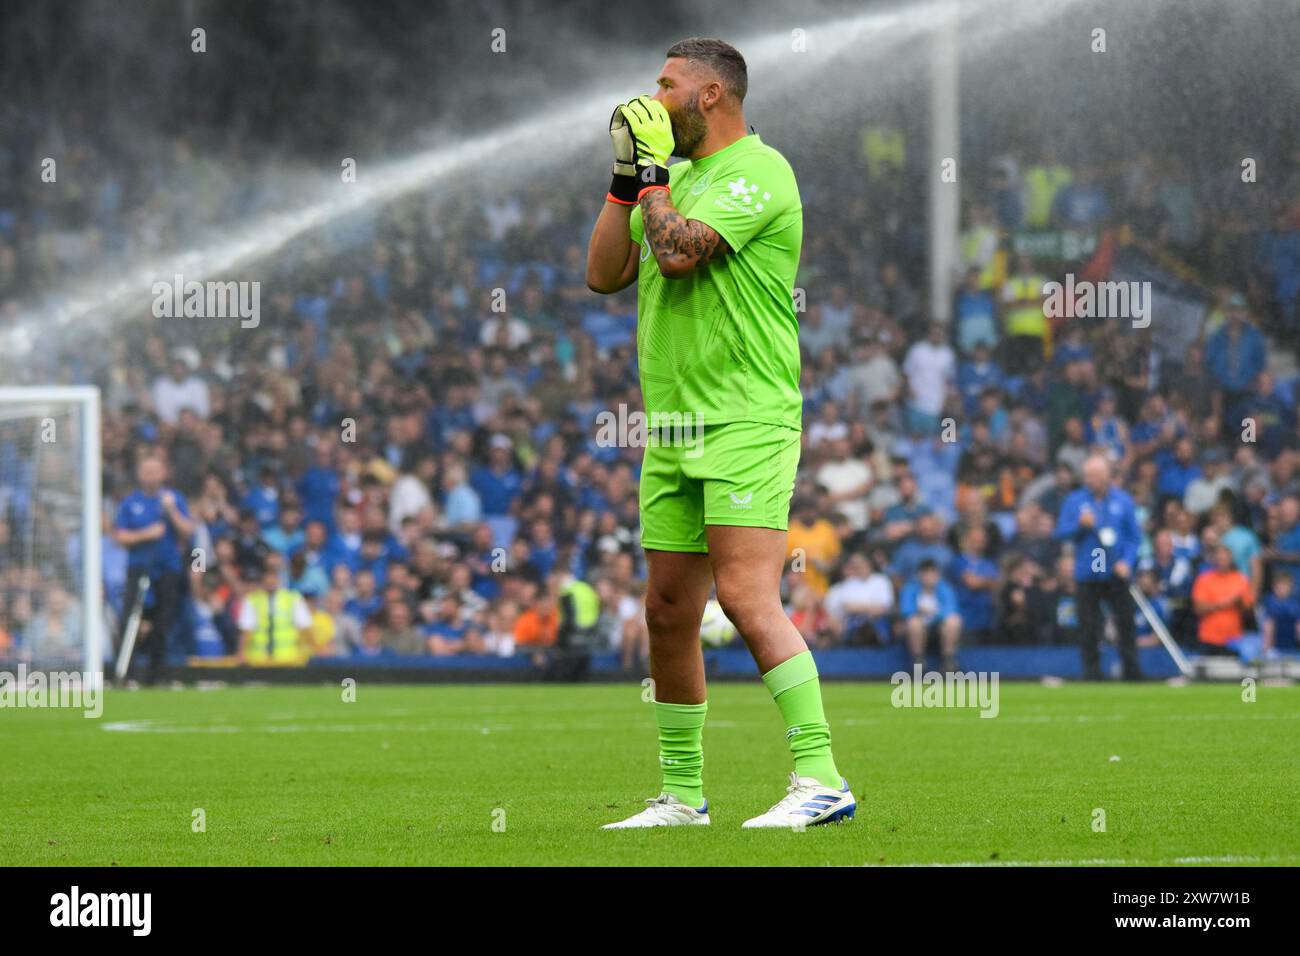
x,y
407,442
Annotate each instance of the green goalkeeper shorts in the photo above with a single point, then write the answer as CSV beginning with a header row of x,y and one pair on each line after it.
x,y
736,473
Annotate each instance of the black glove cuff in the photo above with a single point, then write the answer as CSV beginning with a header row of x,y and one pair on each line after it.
x,y
651,176
624,189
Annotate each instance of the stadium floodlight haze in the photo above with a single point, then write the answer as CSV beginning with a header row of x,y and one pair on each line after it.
x,y
864,433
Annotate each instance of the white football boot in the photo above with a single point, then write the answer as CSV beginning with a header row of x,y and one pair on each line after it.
x,y
664,810
807,803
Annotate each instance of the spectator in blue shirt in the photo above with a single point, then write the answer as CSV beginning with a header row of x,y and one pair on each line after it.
x,y
375,556
1101,521
461,507
288,536
319,487
977,319
1235,354
314,576
344,546
264,498
1149,581
1082,203
209,631
975,579
899,519
154,524
934,462
498,484
1175,571
928,606
449,633
1071,348
1178,473
977,376
1271,416
367,601
372,639
455,413
544,551
1285,553
1241,541
1155,430
1279,616
611,326
1061,597
926,546
1106,428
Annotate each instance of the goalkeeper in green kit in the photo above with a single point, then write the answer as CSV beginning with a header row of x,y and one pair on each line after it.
x,y
713,244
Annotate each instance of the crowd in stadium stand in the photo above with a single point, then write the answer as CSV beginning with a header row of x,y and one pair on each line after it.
x,y
406,445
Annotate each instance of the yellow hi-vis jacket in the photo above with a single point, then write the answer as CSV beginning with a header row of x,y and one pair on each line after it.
x,y
973,241
275,638
1026,319
881,147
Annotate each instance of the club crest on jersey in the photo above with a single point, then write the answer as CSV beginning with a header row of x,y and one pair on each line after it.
x,y
701,184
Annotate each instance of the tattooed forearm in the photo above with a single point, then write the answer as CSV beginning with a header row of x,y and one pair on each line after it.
x,y
679,244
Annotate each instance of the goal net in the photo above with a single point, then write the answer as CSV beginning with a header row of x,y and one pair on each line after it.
x,y
51,610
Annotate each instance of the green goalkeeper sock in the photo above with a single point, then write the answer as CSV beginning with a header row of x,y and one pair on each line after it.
x,y
794,686
681,751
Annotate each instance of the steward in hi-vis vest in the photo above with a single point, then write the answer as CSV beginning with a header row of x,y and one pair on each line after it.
x,y
578,633
274,624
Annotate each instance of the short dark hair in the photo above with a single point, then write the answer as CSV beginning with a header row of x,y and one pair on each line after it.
x,y
723,58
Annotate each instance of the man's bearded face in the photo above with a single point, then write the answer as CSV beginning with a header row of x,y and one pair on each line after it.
x,y
689,127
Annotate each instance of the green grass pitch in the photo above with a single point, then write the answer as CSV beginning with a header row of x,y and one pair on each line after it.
x,y
524,775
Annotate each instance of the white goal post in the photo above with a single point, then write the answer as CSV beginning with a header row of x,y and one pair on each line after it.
x,y
50,476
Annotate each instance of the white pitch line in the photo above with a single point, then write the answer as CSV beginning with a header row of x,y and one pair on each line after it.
x,y
1184,860
1078,718
161,727
274,723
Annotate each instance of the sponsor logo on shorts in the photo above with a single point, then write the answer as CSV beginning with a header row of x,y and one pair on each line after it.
x,y
741,504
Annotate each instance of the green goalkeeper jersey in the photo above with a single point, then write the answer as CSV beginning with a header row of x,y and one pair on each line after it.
x,y
723,342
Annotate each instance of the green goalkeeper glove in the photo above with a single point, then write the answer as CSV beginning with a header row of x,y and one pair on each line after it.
x,y
642,135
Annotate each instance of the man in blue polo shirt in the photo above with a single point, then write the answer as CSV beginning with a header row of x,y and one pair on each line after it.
x,y
153,524
498,483
1102,523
